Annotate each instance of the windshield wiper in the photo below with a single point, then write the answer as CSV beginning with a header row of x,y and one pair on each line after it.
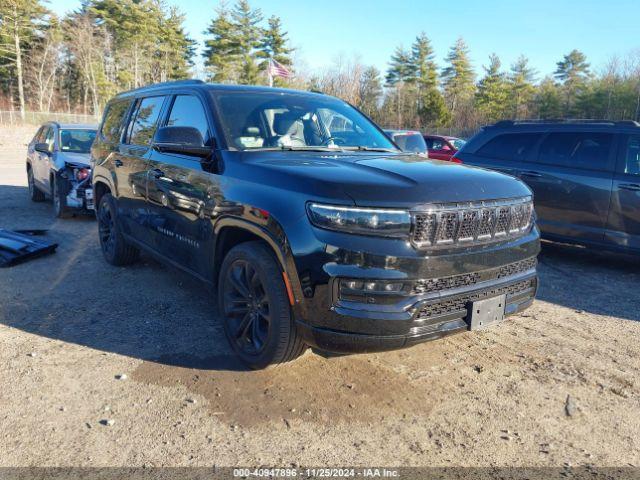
x,y
361,148
311,148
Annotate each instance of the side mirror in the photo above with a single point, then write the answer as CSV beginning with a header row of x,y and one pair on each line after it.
x,y
42,147
182,140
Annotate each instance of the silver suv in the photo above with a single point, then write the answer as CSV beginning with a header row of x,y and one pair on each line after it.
x,y
58,166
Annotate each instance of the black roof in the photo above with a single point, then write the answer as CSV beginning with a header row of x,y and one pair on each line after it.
x,y
506,124
213,86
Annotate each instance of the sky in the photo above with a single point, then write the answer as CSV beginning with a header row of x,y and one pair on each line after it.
x,y
543,30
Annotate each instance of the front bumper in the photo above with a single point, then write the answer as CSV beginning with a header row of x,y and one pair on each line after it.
x,y
428,319
78,193
437,294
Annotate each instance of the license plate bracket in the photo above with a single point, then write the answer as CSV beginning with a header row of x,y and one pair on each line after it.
x,y
486,312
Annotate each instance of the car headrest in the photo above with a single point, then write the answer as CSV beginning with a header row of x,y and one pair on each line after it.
x,y
251,132
282,122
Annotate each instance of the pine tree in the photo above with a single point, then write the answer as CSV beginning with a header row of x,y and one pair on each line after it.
x,y
422,65
370,91
573,72
175,48
275,45
399,72
521,87
221,52
492,95
549,99
431,107
246,39
458,77
400,67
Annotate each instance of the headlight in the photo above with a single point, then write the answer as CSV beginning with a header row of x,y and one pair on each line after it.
x,y
363,221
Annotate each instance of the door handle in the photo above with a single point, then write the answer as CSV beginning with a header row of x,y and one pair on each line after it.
x,y
118,162
530,173
634,187
157,173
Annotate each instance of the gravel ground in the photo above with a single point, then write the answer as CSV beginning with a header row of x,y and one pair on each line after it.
x,y
105,366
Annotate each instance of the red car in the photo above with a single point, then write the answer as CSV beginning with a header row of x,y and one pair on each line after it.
x,y
441,147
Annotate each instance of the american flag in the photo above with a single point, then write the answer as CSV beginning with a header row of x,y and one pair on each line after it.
x,y
276,69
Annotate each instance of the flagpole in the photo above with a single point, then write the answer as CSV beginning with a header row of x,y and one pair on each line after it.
x,y
270,72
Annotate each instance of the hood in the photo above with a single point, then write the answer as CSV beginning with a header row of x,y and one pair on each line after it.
x,y
384,179
80,159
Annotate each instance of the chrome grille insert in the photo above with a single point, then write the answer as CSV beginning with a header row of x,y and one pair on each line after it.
x,y
450,225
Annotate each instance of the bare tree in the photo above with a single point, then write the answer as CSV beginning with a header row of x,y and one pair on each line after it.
x,y
44,65
19,23
89,49
343,80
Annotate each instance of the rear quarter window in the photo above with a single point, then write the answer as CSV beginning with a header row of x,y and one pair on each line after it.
x,y
509,146
112,123
587,150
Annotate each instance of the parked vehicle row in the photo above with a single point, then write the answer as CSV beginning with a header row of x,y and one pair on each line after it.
x,y
436,147
585,176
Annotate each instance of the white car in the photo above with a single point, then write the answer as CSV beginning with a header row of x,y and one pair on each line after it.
x,y
58,166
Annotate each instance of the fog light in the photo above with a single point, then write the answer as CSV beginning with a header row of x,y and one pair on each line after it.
x,y
360,287
352,284
392,287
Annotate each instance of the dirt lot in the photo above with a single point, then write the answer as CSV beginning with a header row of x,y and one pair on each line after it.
x,y
70,325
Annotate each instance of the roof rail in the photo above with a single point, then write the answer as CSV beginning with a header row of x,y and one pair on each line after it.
x,y
507,123
176,83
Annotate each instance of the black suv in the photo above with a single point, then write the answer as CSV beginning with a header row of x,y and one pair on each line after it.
x,y
315,227
585,176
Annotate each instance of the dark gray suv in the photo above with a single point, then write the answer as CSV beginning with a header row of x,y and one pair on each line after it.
x,y
585,176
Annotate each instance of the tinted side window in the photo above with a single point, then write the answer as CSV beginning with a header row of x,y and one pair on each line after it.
x,y
39,137
632,155
112,123
187,111
440,145
577,149
48,136
509,146
143,125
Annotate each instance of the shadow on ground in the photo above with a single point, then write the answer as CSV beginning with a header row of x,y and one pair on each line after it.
x,y
597,282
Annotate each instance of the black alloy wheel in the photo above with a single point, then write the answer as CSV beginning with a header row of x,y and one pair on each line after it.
x,y
247,307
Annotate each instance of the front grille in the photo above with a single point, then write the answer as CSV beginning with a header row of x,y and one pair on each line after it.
x,y
447,225
517,267
459,303
456,281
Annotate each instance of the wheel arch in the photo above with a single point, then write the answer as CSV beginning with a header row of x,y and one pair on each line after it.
x,y
100,187
230,232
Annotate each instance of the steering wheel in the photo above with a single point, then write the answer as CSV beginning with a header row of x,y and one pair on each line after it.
x,y
336,140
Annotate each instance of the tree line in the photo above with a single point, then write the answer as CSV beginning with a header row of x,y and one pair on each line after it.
x,y
76,63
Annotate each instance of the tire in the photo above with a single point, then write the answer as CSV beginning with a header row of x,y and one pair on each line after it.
x,y
116,250
255,309
35,194
59,196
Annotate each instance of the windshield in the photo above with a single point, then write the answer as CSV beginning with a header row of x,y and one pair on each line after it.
x,y
458,143
287,121
76,140
410,142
